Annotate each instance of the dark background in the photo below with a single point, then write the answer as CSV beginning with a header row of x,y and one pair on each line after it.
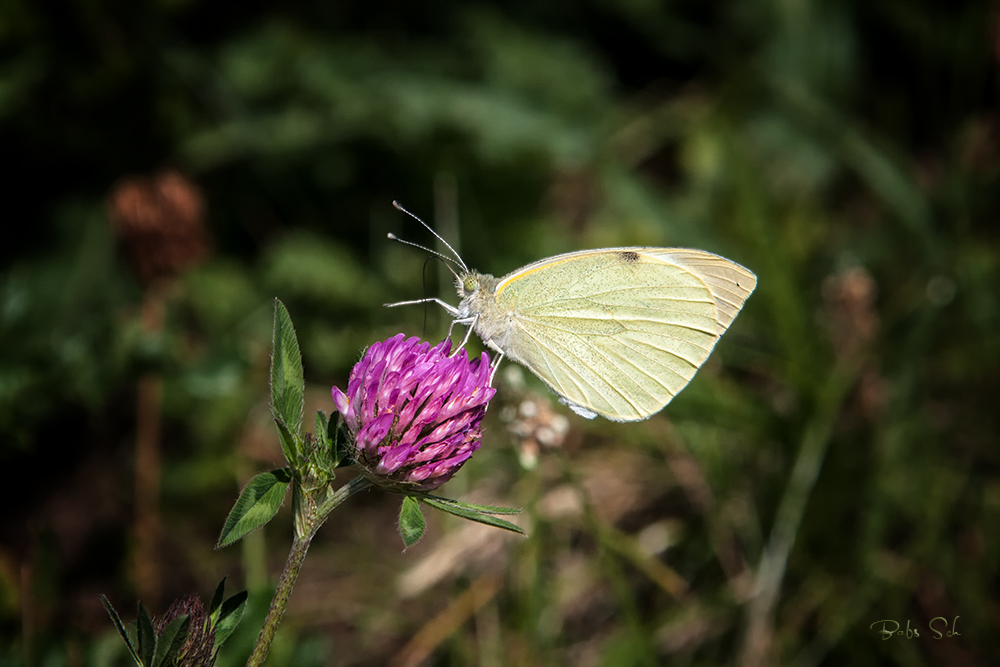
x,y
846,152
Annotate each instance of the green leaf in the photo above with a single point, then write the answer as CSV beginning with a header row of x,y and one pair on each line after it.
x,y
482,509
230,616
467,511
258,503
287,384
217,597
411,522
147,638
133,634
121,629
170,641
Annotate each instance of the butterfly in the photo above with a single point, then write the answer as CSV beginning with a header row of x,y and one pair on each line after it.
x,y
615,332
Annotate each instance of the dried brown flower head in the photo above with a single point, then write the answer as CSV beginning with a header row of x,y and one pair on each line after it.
x,y
159,221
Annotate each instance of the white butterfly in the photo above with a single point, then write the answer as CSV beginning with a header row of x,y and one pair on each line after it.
x,y
616,332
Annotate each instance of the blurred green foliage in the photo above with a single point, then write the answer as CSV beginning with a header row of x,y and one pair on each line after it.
x,y
838,452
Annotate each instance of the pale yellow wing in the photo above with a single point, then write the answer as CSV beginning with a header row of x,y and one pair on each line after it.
x,y
619,332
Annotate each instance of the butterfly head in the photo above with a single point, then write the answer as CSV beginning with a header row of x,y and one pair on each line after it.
x,y
473,284
476,291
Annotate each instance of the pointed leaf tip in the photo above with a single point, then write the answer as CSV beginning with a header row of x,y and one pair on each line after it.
x,y
147,637
220,591
117,621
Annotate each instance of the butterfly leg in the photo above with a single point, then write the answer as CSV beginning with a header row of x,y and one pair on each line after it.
x,y
496,364
451,327
493,369
470,324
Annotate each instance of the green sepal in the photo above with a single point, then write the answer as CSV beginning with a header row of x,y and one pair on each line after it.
x,y
170,641
321,446
340,437
479,513
259,501
411,522
287,383
121,630
147,637
322,433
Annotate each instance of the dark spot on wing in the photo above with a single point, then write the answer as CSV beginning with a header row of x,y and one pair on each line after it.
x,y
629,257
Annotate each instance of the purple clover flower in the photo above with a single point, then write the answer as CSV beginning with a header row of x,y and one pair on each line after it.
x,y
414,412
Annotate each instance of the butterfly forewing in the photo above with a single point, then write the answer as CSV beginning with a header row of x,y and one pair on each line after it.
x,y
620,331
729,283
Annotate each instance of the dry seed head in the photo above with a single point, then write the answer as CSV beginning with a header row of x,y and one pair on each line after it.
x,y
159,221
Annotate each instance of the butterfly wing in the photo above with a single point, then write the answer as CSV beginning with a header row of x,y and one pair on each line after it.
x,y
619,332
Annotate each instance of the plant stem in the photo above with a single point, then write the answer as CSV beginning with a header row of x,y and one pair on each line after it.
x,y
300,545
148,460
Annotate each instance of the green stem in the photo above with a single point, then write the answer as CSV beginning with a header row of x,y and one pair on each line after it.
x,y
296,556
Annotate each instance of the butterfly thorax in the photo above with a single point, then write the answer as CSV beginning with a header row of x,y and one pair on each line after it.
x,y
479,307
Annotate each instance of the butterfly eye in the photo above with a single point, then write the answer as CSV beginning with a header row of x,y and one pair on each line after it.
x,y
469,284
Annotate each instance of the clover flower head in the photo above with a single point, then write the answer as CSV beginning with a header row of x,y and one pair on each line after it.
x,y
198,648
414,412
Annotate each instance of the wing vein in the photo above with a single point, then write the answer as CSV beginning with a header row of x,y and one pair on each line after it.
x,y
658,362
571,332
572,371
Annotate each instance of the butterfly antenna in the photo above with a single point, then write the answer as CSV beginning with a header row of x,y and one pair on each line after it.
x,y
436,235
393,237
